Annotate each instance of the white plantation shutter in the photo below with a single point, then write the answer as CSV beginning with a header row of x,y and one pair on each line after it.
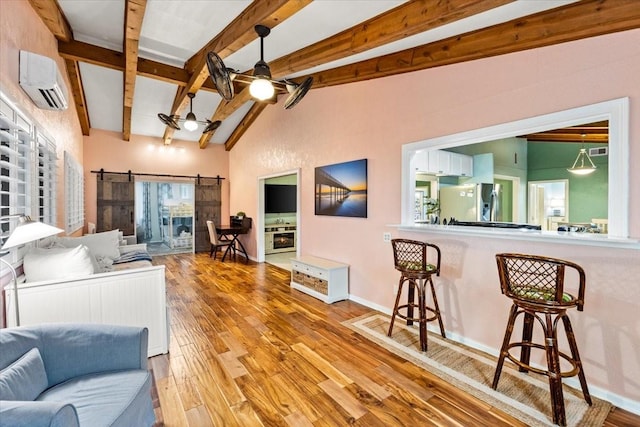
x,y
47,179
74,194
27,170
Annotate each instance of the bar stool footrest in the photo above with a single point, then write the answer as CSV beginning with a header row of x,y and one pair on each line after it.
x,y
573,372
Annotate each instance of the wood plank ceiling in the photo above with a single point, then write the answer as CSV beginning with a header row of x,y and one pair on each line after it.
x,y
573,21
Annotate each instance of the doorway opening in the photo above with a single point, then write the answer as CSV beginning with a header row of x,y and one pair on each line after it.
x,y
279,218
549,203
164,216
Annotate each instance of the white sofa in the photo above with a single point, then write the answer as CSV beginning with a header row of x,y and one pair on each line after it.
x,y
124,296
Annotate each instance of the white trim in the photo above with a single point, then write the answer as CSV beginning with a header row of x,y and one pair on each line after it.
x,y
260,255
615,111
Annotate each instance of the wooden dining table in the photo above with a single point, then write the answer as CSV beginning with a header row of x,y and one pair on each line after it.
x,y
233,231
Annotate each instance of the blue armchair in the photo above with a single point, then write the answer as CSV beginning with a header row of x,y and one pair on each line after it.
x,y
75,375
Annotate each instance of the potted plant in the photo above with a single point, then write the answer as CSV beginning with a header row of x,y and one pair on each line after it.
x,y
240,214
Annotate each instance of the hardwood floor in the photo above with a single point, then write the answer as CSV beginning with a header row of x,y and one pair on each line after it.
x,y
246,350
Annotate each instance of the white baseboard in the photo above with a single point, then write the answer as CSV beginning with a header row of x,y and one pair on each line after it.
x,y
615,399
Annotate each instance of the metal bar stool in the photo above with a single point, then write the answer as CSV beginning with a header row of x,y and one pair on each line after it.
x,y
410,258
536,286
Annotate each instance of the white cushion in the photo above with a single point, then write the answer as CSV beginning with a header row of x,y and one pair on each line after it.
x,y
103,244
58,263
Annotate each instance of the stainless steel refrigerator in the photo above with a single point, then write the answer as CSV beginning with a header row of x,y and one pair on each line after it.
x,y
472,202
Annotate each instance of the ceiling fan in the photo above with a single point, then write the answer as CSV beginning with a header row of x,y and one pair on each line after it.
x,y
190,122
261,85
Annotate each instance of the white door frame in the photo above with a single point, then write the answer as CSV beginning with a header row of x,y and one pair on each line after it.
x,y
260,225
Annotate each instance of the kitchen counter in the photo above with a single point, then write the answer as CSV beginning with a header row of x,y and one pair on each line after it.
x,y
553,237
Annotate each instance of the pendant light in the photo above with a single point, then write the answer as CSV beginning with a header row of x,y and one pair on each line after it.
x,y
190,122
583,165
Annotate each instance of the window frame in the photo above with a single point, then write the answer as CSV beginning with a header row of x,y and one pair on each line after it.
x,y
616,111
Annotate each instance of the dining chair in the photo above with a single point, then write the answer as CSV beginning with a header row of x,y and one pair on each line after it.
x,y
217,243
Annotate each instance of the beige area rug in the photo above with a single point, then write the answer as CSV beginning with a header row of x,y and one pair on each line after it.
x,y
524,396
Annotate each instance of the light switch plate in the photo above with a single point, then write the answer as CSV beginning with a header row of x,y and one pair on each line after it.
x,y
386,236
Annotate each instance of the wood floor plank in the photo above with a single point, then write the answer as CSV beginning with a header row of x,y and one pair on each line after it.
x,y
215,402
172,410
363,380
343,398
199,417
321,364
247,350
297,419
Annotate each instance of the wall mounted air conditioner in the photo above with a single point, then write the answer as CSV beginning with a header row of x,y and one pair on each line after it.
x,y
41,79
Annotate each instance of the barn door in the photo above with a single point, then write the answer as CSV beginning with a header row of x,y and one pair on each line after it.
x,y
116,203
207,207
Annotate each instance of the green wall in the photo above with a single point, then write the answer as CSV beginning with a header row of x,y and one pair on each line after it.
x,y
588,194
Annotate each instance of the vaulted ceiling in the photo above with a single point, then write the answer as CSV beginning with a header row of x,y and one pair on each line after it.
x,y
132,59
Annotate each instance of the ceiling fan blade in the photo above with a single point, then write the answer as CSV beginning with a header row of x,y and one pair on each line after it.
x,y
220,76
171,121
298,93
211,126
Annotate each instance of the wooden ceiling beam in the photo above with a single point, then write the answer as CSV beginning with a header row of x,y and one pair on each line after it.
x,y
50,13
240,32
587,18
236,35
224,110
406,20
134,15
568,137
246,122
75,79
96,55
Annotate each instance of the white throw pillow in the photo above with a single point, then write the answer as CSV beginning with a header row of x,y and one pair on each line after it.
x,y
103,244
59,263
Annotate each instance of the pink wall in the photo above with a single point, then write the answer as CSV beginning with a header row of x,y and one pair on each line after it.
x,y
106,150
22,29
373,119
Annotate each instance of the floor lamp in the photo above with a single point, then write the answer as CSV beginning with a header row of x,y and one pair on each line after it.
x,y
26,231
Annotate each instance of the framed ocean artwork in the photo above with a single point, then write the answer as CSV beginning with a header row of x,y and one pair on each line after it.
x,y
341,189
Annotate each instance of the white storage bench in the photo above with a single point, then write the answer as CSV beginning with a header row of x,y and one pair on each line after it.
x,y
321,278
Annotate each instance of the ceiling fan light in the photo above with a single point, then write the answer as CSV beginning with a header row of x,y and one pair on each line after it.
x,y
190,123
261,89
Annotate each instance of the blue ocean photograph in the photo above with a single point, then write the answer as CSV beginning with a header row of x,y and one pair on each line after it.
x,y
341,189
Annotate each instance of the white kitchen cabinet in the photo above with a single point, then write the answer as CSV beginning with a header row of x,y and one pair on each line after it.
x,y
321,278
460,165
444,163
421,161
439,162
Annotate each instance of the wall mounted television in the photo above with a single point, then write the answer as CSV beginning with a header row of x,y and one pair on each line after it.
x,y
280,198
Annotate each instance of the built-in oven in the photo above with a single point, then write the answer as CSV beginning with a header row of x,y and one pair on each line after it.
x,y
281,239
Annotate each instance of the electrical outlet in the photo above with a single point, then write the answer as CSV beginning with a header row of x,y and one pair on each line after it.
x,y
386,237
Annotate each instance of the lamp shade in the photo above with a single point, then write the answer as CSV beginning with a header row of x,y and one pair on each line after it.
x,y
28,231
579,167
191,123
